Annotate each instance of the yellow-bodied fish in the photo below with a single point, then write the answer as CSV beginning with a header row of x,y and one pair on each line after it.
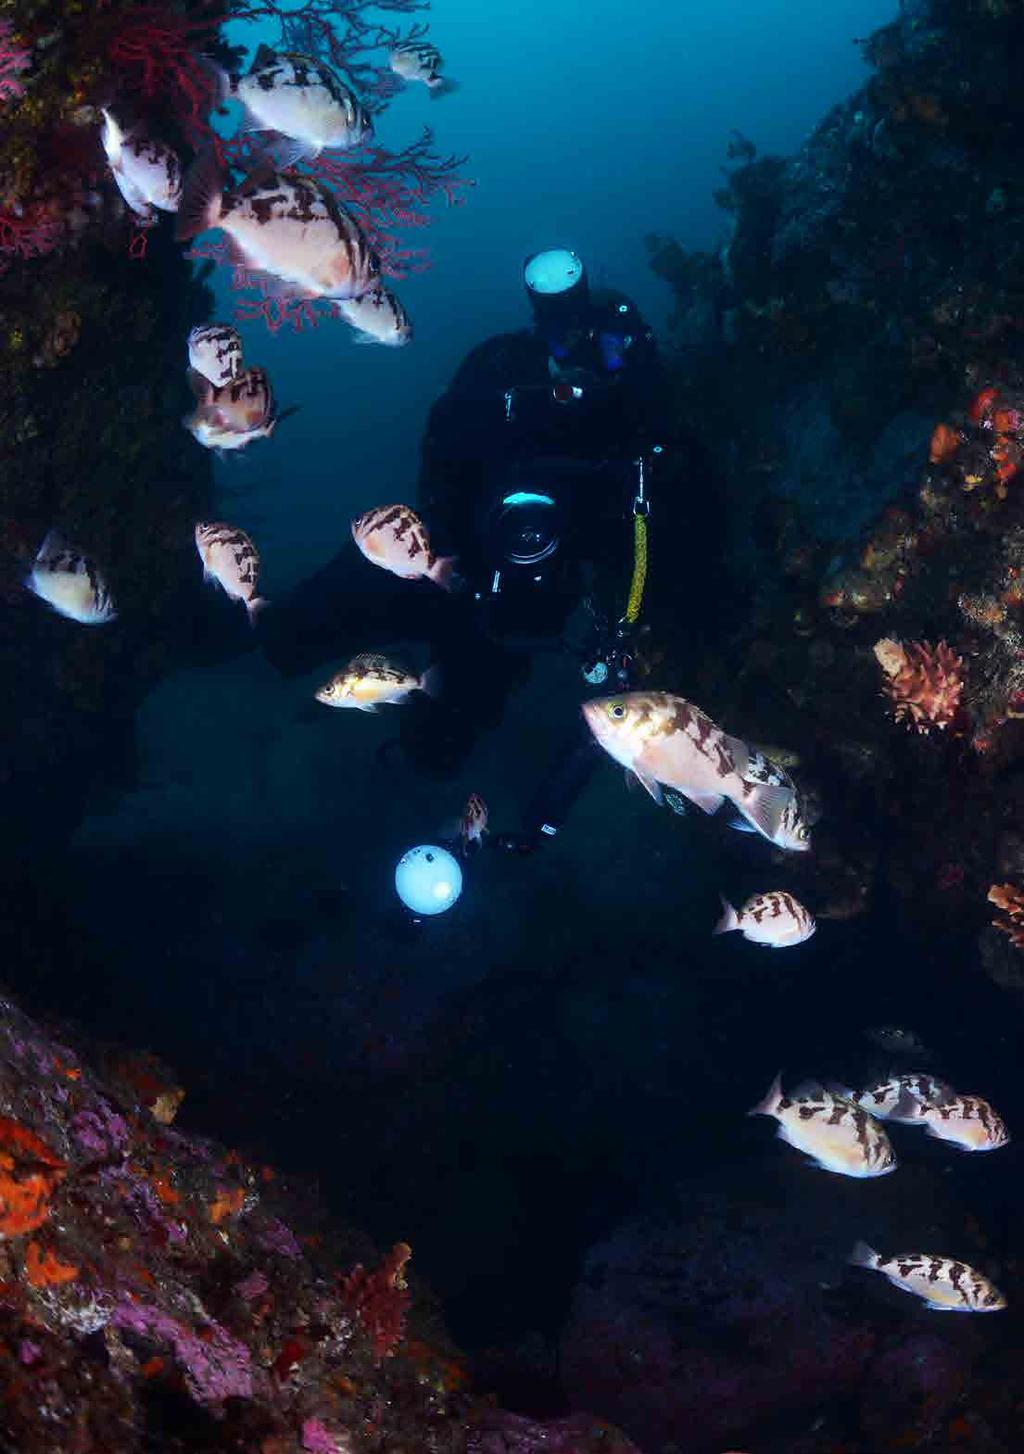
x,y
775,920
284,224
231,559
891,1099
215,352
234,415
302,99
395,538
371,681
965,1121
69,583
836,1133
947,1286
147,172
666,740
377,317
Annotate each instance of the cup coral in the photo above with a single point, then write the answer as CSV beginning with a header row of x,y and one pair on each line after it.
x,y
923,682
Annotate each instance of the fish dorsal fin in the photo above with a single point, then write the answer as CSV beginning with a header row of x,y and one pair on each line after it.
x,y
265,56
808,1090
368,661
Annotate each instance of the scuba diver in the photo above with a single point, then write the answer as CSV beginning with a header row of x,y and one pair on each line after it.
x,y
539,465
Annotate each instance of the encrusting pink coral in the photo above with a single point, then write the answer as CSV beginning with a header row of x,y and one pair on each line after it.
x,y
924,682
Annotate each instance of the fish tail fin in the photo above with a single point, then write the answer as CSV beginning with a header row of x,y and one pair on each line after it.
x,y
255,606
770,1102
908,1108
765,807
730,919
223,84
442,570
202,197
864,1256
430,681
443,86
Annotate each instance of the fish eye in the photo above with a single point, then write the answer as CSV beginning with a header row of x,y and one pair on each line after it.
x,y
617,710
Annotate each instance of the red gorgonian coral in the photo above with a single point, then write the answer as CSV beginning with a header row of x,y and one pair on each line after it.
x,y
156,55
923,682
388,191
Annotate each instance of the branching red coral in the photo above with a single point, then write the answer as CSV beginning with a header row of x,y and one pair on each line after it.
x,y
343,32
1010,899
156,52
380,1299
45,1269
924,682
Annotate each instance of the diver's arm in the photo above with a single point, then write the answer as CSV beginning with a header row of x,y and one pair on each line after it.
x,y
350,606
549,806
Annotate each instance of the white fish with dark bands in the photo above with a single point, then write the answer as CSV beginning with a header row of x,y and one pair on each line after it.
x,y
395,538
69,583
946,1285
147,172
231,559
289,226
836,1133
418,60
968,1122
668,742
775,920
888,1099
371,681
303,100
377,317
215,351
231,417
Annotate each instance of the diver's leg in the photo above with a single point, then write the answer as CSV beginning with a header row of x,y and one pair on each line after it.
x,y
350,606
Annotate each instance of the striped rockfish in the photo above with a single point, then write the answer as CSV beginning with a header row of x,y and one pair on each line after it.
x,y
395,538
234,415
377,317
947,1286
965,1121
215,352
836,1133
667,741
231,559
371,681
776,920
418,60
289,226
794,831
302,99
890,1099
69,583
147,172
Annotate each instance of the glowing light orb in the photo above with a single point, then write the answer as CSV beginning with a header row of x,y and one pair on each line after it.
x,y
428,879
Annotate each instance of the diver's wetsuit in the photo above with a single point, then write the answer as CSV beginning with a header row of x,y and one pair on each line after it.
x,y
497,426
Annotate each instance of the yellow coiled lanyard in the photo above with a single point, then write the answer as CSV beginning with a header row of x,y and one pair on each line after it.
x,y
641,513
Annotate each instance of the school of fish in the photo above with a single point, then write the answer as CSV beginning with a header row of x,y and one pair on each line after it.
x,y
294,234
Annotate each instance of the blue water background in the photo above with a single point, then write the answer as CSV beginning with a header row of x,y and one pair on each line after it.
x,y
587,125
